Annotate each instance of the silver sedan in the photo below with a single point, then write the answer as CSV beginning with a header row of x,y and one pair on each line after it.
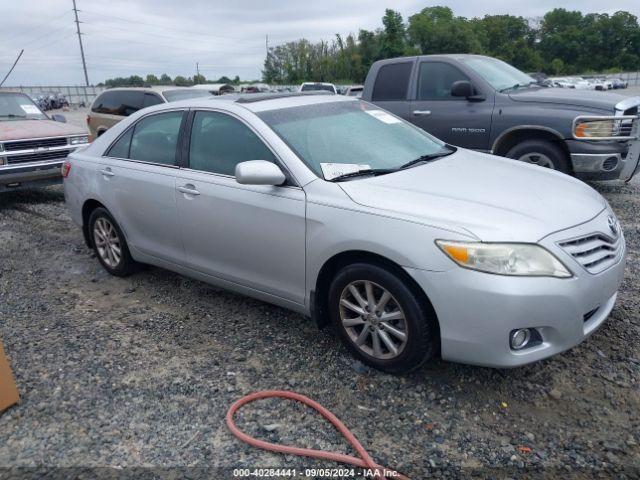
x,y
341,211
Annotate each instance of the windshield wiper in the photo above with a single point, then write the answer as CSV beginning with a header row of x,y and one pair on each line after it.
x,y
364,172
12,115
425,158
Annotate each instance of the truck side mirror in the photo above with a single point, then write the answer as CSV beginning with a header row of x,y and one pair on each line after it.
x,y
463,88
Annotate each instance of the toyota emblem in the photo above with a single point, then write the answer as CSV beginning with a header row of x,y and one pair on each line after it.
x,y
613,225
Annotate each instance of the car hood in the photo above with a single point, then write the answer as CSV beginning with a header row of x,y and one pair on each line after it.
x,y
575,97
25,129
490,197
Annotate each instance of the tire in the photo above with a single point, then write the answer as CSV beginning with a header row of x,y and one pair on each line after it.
x,y
418,323
541,152
106,236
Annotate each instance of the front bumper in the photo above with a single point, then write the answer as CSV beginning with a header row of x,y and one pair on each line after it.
x,y
477,311
605,160
31,175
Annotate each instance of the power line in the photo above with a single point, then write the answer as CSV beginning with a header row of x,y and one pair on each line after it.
x,y
84,63
12,67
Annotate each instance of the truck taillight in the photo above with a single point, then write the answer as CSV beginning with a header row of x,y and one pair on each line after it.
x,y
66,169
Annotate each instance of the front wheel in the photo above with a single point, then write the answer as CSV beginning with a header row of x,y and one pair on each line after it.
x,y
381,320
109,244
542,153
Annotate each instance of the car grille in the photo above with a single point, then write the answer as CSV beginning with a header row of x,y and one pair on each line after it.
x,y
596,252
31,144
37,157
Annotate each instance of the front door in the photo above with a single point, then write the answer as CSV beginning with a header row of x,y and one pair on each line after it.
x,y
251,235
455,120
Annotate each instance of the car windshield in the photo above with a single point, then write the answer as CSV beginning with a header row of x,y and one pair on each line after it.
x,y
355,134
18,106
309,87
185,93
498,74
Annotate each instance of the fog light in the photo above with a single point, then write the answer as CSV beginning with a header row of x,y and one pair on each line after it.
x,y
519,338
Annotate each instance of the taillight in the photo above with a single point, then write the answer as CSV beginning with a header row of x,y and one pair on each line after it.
x,y
66,169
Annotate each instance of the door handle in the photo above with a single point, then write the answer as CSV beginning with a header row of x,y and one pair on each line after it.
x,y
188,190
107,172
421,113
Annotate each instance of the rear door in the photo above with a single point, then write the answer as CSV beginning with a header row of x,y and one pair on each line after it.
x,y
391,88
250,235
455,120
137,178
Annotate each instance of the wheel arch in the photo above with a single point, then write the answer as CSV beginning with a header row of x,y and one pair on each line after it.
x,y
510,137
87,208
319,296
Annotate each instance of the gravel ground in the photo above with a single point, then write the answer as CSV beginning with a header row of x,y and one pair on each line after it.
x,y
139,372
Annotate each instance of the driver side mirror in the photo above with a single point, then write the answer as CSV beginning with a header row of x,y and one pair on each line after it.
x,y
259,172
463,88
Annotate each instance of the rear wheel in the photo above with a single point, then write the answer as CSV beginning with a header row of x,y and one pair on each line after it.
x,y
109,244
380,319
542,153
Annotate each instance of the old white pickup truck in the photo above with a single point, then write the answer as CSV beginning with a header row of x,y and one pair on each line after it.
x,y
32,145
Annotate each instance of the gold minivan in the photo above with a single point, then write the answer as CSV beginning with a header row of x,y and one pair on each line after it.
x,y
114,104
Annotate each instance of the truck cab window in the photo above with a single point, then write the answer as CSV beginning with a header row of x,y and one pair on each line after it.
x,y
435,79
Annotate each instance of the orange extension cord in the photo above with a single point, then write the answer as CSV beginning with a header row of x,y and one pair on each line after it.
x,y
365,461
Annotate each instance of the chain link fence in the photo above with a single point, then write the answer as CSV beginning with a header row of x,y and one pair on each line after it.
x,y
75,95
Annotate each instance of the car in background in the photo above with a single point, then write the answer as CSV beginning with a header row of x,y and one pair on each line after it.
x,y
334,208
617,83
33,146
561,82
318,86
580,83
353,91
216,88
114,104
483,103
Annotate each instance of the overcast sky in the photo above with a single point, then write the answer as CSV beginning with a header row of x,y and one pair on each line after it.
x,y
126,37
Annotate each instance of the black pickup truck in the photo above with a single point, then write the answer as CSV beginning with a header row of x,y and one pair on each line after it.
x,y
485,104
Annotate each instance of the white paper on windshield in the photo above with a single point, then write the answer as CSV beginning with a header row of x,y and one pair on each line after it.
x,y
383,116
334,170
30,109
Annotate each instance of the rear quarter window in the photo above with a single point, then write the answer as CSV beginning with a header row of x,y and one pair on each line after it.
x,y
122,103
392,82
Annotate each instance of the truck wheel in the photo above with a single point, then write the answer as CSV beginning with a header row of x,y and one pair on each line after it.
x,y
380,319
109,244
542,153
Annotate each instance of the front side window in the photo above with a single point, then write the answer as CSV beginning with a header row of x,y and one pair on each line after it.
x,y
435,80
352,133
151,99
153,139
392,82
119,102
18,106
219,142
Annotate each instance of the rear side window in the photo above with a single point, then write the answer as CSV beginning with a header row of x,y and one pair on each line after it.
x,y
122,103
435,79
392,82
219,142
151,99
153,139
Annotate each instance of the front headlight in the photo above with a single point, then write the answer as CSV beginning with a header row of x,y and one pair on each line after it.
x,y
517,259
79,140
595,128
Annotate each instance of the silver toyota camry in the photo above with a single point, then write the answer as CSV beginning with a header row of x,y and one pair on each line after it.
x,y
334,208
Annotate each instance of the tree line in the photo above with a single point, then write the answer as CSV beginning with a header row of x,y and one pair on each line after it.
x,y
561,42
164,79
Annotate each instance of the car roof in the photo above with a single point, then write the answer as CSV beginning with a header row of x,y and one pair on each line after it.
x,y
260,102
150,88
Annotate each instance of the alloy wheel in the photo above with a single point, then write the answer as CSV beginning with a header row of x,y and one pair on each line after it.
x,y
373,319
107,242
539,159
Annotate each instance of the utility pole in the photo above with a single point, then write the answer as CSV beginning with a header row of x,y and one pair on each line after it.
x,y
266,43
84,63
12,67
198,69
